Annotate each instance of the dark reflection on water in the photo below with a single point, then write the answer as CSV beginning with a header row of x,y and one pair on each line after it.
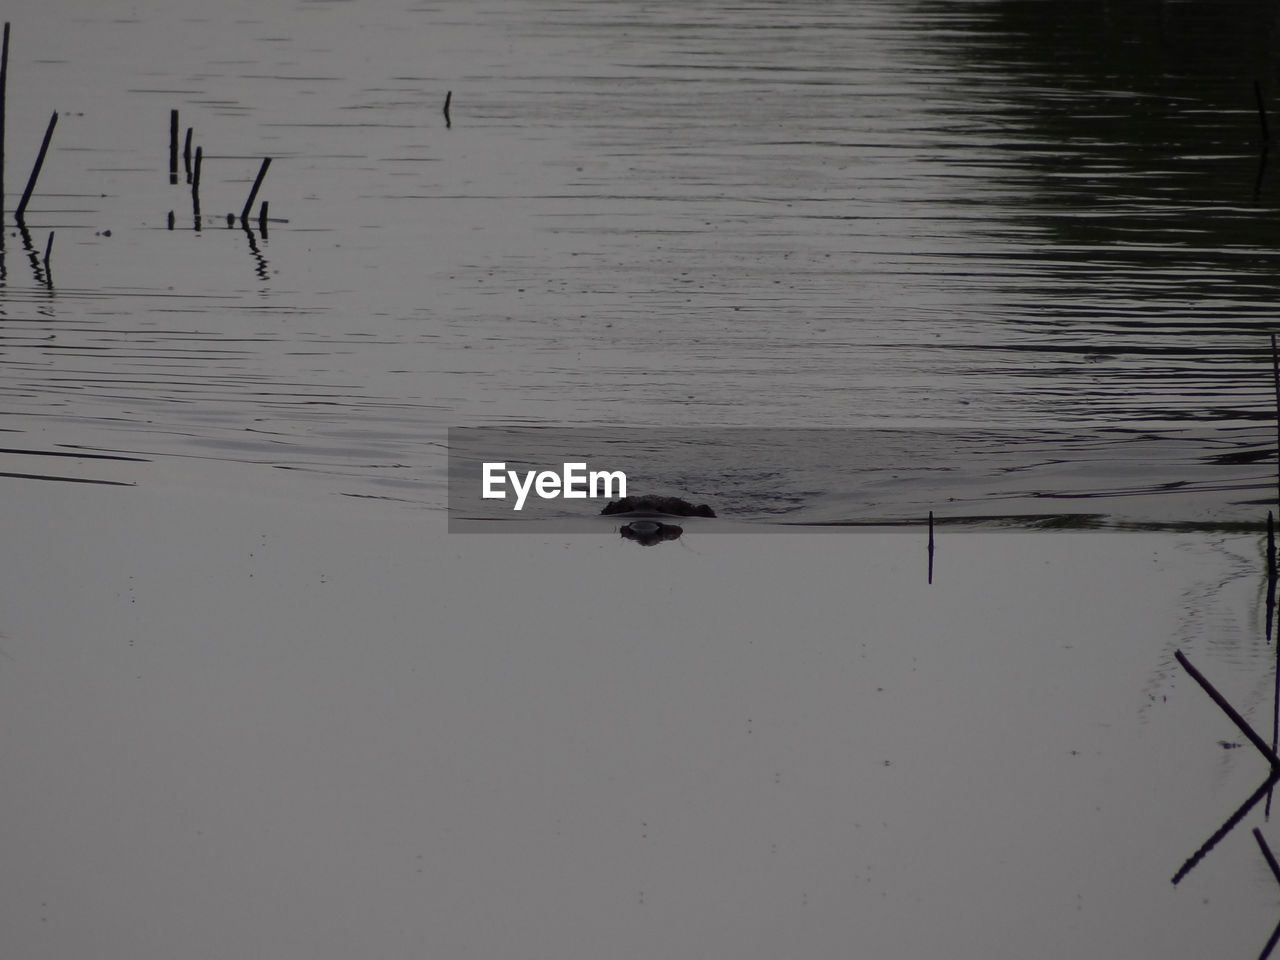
x,y
1132,130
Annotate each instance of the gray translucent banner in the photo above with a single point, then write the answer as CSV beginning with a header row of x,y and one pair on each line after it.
x,y
560,479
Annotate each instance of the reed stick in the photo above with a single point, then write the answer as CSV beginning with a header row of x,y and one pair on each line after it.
x,y
931,546
1271,592
4,82
1228,825
1270,944
173,146
1229,710
20,213
253,194
1275,377
1267,854
1272,572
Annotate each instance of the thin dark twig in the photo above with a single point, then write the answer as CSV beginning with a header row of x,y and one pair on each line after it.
x,y
35,171
1267,854
253,193
1262,745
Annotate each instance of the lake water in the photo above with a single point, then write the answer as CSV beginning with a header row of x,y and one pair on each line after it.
x,y
1015,260
1042,230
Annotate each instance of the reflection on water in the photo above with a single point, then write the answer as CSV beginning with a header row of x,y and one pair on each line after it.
x,y
649,533
1003,218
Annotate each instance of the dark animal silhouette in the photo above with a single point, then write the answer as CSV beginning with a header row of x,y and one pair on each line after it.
x,y
670,506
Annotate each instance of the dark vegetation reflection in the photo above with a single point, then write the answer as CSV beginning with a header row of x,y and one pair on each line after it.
x,y
1130,136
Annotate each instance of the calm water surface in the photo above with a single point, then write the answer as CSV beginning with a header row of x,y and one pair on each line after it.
x,y
1045,234
1024,251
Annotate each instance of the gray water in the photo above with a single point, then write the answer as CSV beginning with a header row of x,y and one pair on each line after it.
x,y
1042,232
258,701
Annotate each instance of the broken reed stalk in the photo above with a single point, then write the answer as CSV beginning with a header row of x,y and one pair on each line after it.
x,y
1271,588
1275,692
195,189
1266,852
4,80
1271,546
48,249
448,97
262,218
186,147
173,146
1230,824
931,546
1275,710
1262,112
1270,944
1230,711
35,171
253,194
1275,376
1275,714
